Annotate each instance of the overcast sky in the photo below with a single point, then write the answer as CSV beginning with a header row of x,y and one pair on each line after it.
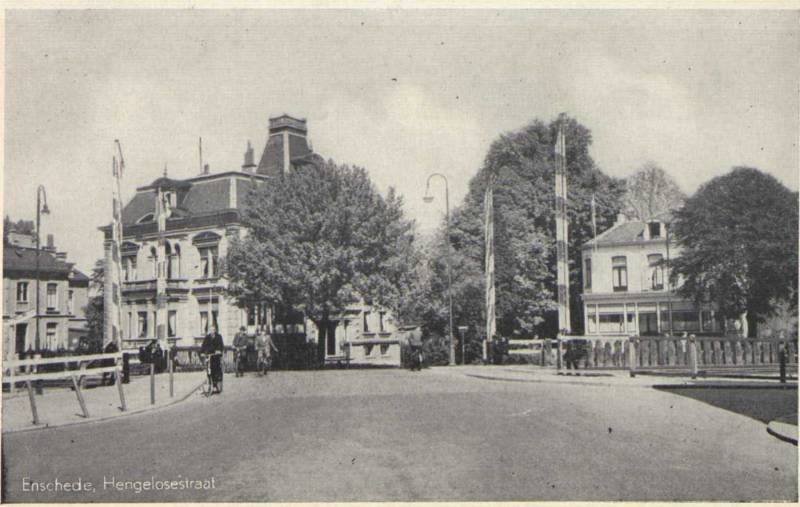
x,y
402,93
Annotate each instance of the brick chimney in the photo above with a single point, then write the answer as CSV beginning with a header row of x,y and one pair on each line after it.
x,y
249,165
51,247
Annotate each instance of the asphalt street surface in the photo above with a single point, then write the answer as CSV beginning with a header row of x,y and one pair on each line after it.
x,y
396,435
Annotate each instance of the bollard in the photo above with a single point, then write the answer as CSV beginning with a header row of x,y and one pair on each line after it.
x,y
693,356
152,383
782,359
171,380
558,354
545,351
126,368
632,357
122,405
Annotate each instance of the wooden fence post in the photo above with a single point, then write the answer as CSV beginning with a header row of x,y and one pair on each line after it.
x,y
32,398
78,393
693,356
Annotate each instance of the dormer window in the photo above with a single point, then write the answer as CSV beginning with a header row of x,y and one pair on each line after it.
x,y
655,230
147,218
169,197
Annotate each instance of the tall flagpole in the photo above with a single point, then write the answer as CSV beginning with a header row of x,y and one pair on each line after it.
x,y
491,322
161,271
562,234
112,286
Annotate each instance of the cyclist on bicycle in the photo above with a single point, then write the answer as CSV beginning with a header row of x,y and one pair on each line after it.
x,y
240,350
264,346
213,347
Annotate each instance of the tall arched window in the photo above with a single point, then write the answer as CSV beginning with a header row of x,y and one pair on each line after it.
x,y
168,255
207,244
176,261
154,261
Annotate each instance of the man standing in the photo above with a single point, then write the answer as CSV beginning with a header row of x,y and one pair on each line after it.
x,y
240,350
265,346
213,346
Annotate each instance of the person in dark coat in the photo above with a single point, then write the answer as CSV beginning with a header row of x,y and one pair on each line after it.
x,y
110,349
213,343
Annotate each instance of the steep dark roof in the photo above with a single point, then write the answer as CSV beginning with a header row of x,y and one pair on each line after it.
x,y
23,260
143,202
207,197
78,278
271,163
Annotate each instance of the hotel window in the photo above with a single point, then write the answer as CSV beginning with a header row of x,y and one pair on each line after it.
x,y
656,271
612,322
172,323
204,325
620,273
130,325
366,322
22,292
50,338
381,321
129,267
587,274
52,297
71,302
208,261
142,324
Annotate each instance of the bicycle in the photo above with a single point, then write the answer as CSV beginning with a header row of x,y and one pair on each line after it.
x,y
209,386
240,360
263,363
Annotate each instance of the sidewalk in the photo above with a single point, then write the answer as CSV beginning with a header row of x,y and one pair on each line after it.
x,y
610,378
59,406
783,428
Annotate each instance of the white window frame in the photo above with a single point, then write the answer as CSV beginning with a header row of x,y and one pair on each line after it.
x,y
52,298
24,286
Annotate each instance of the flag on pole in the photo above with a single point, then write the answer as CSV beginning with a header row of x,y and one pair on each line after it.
x,y
491,323
562,234
162,212
594,223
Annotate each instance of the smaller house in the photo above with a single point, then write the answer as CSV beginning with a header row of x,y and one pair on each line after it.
x,y
63,296
626,288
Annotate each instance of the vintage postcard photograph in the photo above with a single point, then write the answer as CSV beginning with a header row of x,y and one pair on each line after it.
x,y
400,254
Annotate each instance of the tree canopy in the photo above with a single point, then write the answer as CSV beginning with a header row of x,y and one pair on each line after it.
x,y
524,229
738,239
321,238
650,192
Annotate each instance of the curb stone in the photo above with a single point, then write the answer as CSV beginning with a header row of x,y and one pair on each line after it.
x,y
783,431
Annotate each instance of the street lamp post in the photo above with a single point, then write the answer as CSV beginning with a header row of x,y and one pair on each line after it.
x,y
41,195
429,198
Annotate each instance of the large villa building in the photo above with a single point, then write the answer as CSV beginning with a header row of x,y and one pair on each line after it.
x,y
206,214
626,288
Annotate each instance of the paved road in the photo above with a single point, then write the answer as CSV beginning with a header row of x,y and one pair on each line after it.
x,y
397,435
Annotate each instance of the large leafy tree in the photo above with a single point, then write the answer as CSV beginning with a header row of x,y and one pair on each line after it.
x,y
524,228
651,191
319,239
738,238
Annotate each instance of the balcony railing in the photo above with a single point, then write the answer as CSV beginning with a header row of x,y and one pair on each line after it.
x,y
150,285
